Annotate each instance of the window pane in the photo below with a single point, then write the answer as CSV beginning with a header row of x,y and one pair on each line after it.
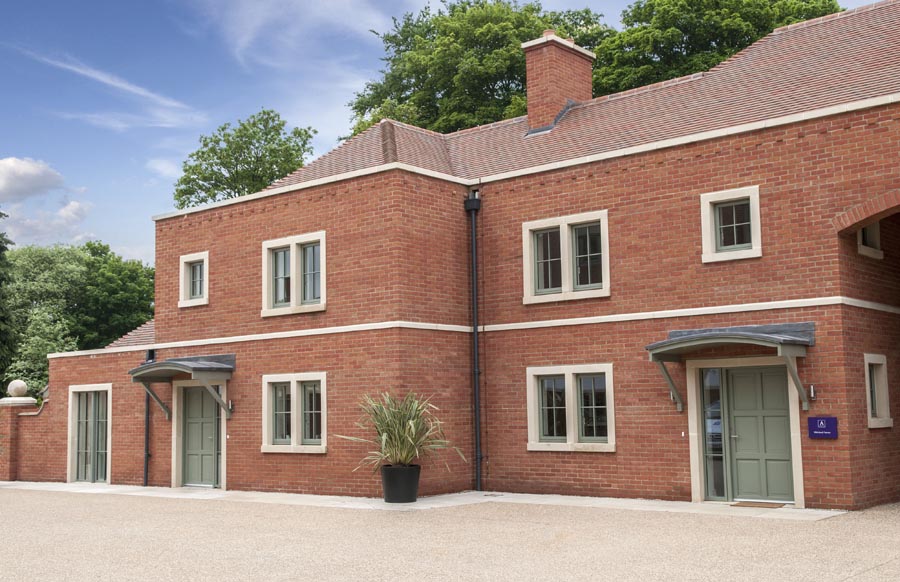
x,y
873,390
548,260
312,412
742,234
281,277
733,225
588,256
712,430
553,408
196,280
592,390
281,408
311,274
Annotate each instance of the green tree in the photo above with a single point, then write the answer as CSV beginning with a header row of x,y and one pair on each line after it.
x,y
462,65
664,39
7,328
237,161
115,297
47,332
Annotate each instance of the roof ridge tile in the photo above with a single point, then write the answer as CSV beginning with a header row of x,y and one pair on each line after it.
x,y
834,16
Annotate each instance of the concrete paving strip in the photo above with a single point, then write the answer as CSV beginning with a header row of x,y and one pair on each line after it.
x,y
435,502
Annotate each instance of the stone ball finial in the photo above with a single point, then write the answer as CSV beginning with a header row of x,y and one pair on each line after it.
x,y
17,389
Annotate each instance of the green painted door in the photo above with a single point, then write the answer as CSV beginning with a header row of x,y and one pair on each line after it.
x,y
201,438
760,434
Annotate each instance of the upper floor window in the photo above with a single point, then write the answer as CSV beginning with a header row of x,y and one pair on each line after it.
x,y
294,413
570,408
877,394
194,279
868,241
731,224
294,274
566,258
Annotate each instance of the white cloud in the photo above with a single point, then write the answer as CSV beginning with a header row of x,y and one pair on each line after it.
x,y
164,168
282,33
22,178
47,227
157,110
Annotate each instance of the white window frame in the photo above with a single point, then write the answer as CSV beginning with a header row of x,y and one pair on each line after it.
x,y
532,379
295,380
293,243
874,252
565,224
73,433
880,418
184,279
708,224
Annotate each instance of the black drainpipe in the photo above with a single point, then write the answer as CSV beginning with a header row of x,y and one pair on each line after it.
x,y
151,356
473,205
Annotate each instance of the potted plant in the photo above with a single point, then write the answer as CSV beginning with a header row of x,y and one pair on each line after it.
x,y
406,430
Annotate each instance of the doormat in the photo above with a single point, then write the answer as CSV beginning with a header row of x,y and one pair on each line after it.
x,y
758,504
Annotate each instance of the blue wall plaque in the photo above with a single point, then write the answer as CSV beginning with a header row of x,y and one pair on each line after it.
x,y
823,427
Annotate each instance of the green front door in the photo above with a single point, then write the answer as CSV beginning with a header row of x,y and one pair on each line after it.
x,y
760,434
201,438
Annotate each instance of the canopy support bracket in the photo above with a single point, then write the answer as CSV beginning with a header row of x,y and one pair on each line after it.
x,y
791,366
156,399
673,392
226,408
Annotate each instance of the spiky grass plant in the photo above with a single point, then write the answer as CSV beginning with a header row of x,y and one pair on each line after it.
x,y
406,429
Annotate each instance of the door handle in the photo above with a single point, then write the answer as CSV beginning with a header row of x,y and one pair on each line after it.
x,y
734,436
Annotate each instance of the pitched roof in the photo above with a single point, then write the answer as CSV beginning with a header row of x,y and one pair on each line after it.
x,y
825,62
142,336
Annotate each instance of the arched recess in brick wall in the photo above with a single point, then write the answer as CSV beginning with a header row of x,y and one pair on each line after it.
x,y
869,211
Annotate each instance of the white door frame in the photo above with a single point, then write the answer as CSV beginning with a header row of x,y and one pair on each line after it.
x,y
178,387
695,421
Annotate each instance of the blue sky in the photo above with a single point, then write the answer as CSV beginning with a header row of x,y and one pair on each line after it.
x,y
102,100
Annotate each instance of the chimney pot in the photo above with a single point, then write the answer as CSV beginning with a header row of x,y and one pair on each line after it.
x,y
549,32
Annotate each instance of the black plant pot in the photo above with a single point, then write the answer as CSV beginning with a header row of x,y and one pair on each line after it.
x,y
400,483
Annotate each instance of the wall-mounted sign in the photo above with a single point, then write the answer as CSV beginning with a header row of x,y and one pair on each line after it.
x,y
823,427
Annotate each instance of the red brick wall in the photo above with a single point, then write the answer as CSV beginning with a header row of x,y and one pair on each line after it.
x,y
807,174
652,456
393,251
555,74
876,451
8,434
864,277
355,363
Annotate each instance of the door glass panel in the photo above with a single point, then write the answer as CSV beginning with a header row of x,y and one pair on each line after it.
x,y
714,449
91,442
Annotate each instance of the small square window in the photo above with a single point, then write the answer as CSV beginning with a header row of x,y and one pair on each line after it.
x,y
565,258
730,224
868,241
194,280
294,413
294,274
570,408
877,394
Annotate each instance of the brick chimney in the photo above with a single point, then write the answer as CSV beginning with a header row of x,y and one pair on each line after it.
x,y
557,71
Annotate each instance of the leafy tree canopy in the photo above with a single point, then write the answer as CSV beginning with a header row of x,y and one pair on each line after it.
x,y
66,297
7,327
462,65
242,160
664,39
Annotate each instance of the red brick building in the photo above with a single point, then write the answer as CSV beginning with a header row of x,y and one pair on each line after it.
x,y
687,291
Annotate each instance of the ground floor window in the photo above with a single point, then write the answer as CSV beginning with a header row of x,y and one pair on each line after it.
x,y
89,432
877,394
294,413
570,408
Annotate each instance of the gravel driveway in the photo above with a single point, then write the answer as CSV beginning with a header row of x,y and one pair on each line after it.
x,y
71,536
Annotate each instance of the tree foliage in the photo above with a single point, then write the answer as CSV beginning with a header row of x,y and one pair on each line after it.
x,y
462,65
242,160
664,39
7,326
67,297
